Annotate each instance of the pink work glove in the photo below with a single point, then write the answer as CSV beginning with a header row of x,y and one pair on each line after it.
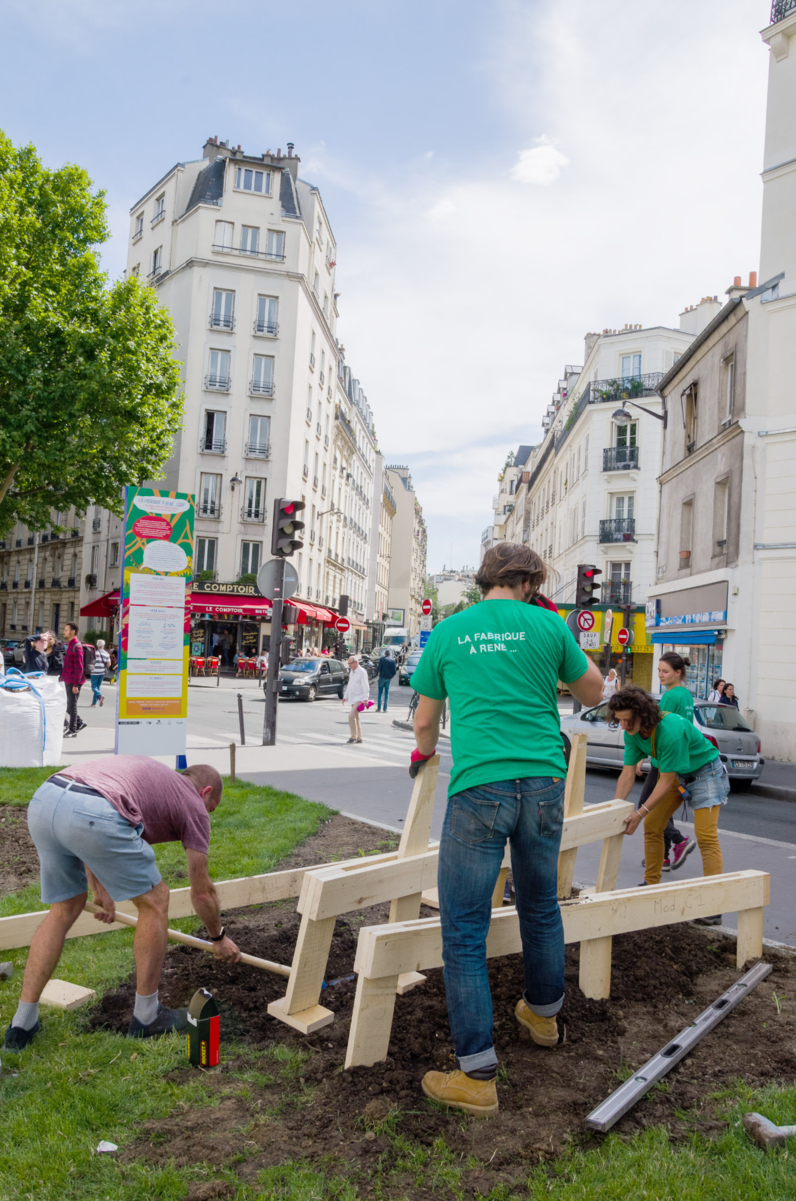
x,y
363,705
418,760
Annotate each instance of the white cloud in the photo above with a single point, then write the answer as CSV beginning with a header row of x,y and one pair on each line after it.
x,y
541,164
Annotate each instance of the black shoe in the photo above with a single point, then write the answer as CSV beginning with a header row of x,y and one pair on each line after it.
x,y
643,884
81,725
17,1038
715,920
70,734
166,1021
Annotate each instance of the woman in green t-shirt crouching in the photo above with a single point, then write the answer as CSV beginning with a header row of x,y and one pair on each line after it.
x,y
686,760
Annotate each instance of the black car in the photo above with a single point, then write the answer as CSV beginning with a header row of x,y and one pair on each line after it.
x,y
307,679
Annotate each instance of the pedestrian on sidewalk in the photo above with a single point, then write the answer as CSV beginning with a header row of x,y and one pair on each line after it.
x,y
387,671
102,660
94,826
34,656
73,678
610,684
689,770
717,692
729,697
55,651
676,699
498,663
356,696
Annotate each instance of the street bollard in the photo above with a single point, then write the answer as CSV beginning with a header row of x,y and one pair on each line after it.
x,y
232,762
240,719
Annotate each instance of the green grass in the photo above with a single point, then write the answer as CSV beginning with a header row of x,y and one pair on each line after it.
x,y
252,829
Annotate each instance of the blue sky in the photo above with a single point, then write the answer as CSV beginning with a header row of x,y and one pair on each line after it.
x,y
501,177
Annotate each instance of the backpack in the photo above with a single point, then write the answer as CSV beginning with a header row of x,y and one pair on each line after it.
x,y
89,655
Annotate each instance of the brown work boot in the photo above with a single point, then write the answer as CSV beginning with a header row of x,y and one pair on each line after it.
x,y
543,1031
459,1091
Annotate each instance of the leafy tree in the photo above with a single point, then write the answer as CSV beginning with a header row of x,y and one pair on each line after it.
x,y
433,596
472,595
89,382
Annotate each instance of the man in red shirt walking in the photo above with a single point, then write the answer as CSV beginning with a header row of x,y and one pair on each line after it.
x,y
94,826
73,677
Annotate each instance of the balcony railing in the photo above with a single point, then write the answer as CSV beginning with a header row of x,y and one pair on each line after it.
x,y
213,446
72,581
618,593
252,513
620,458
159,215
217,383
267,328
56,582
210,509
139,233
15,584
273,255
618,529
27,583
30,540
219,321
258,450
780,10
626,387
259,387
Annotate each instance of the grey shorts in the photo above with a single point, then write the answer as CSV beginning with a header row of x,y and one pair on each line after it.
x,y
72,828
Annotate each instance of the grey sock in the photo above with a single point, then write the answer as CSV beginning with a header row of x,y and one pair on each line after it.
x,y
146,1008
26,1016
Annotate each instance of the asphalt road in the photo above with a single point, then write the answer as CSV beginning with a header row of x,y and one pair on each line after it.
x,y
371,781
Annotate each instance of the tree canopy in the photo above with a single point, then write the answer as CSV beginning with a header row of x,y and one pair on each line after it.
x,y
89,380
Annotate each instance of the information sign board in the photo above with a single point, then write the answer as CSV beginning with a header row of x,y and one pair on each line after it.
x,y
590,640
152,697
424,637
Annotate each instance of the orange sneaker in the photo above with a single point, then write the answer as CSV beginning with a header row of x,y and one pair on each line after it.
x,y
459,1091
543,1031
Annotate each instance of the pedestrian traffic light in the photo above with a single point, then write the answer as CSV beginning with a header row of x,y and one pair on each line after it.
x,y
587,590
286,533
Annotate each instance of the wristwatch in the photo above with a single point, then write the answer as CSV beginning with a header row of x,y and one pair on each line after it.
x,y
217,937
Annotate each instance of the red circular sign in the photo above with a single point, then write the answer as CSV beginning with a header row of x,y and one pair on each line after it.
x,y
623,637
152,527
586,620
425,608
343,625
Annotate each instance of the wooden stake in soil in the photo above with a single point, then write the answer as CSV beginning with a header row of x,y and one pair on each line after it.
x,y
232,761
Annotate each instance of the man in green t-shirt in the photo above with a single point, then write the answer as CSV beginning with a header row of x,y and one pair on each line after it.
x,y
499,662
689,768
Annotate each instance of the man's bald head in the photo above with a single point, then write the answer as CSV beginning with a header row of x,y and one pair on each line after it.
x,y
203,776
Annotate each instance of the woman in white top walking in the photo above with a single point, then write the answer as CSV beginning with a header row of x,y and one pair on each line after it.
x,y
717,692
357,693
610,684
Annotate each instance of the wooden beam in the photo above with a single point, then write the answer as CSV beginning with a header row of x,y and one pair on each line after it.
x,y
574,797
417,946
750,936
416,833
371,1021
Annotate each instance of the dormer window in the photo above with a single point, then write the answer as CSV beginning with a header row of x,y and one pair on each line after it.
x,y
249,180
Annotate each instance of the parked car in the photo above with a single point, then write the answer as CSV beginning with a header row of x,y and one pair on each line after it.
x,y
13,651
737,743
370,667
407,669
306,679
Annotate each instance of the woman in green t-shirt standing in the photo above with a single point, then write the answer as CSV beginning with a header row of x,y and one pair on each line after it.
x,y
685,760
676,699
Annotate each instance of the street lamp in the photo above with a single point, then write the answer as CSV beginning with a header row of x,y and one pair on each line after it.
x,y
233,483
622,417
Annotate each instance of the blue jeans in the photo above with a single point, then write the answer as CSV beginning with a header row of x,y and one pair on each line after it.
x,y
530,813
96,691
384,691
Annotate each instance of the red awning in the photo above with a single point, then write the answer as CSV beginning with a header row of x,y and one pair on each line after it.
x,y
255,608
310,612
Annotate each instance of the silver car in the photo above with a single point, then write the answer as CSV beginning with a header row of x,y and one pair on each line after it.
x,y
723,725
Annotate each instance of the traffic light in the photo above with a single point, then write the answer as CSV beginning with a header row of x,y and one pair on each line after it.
x,y
587,591
286,533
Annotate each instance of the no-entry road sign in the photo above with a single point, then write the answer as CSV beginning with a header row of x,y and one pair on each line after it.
x,y
623,636
342,625
586,620
425,608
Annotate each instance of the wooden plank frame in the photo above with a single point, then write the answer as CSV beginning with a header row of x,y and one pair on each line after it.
x,y
383,952
330,892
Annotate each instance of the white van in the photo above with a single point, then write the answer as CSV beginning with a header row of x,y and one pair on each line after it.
x,y
395,637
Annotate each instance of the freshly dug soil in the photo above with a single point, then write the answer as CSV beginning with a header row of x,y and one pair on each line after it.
x,y
19,863
661,980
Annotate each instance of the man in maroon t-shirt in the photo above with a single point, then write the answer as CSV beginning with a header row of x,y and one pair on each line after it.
x,y
94,826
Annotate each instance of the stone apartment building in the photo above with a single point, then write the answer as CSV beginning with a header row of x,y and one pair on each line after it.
x,y
408,550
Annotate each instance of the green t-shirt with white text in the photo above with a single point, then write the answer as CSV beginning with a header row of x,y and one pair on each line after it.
x,y
498,662
677,744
